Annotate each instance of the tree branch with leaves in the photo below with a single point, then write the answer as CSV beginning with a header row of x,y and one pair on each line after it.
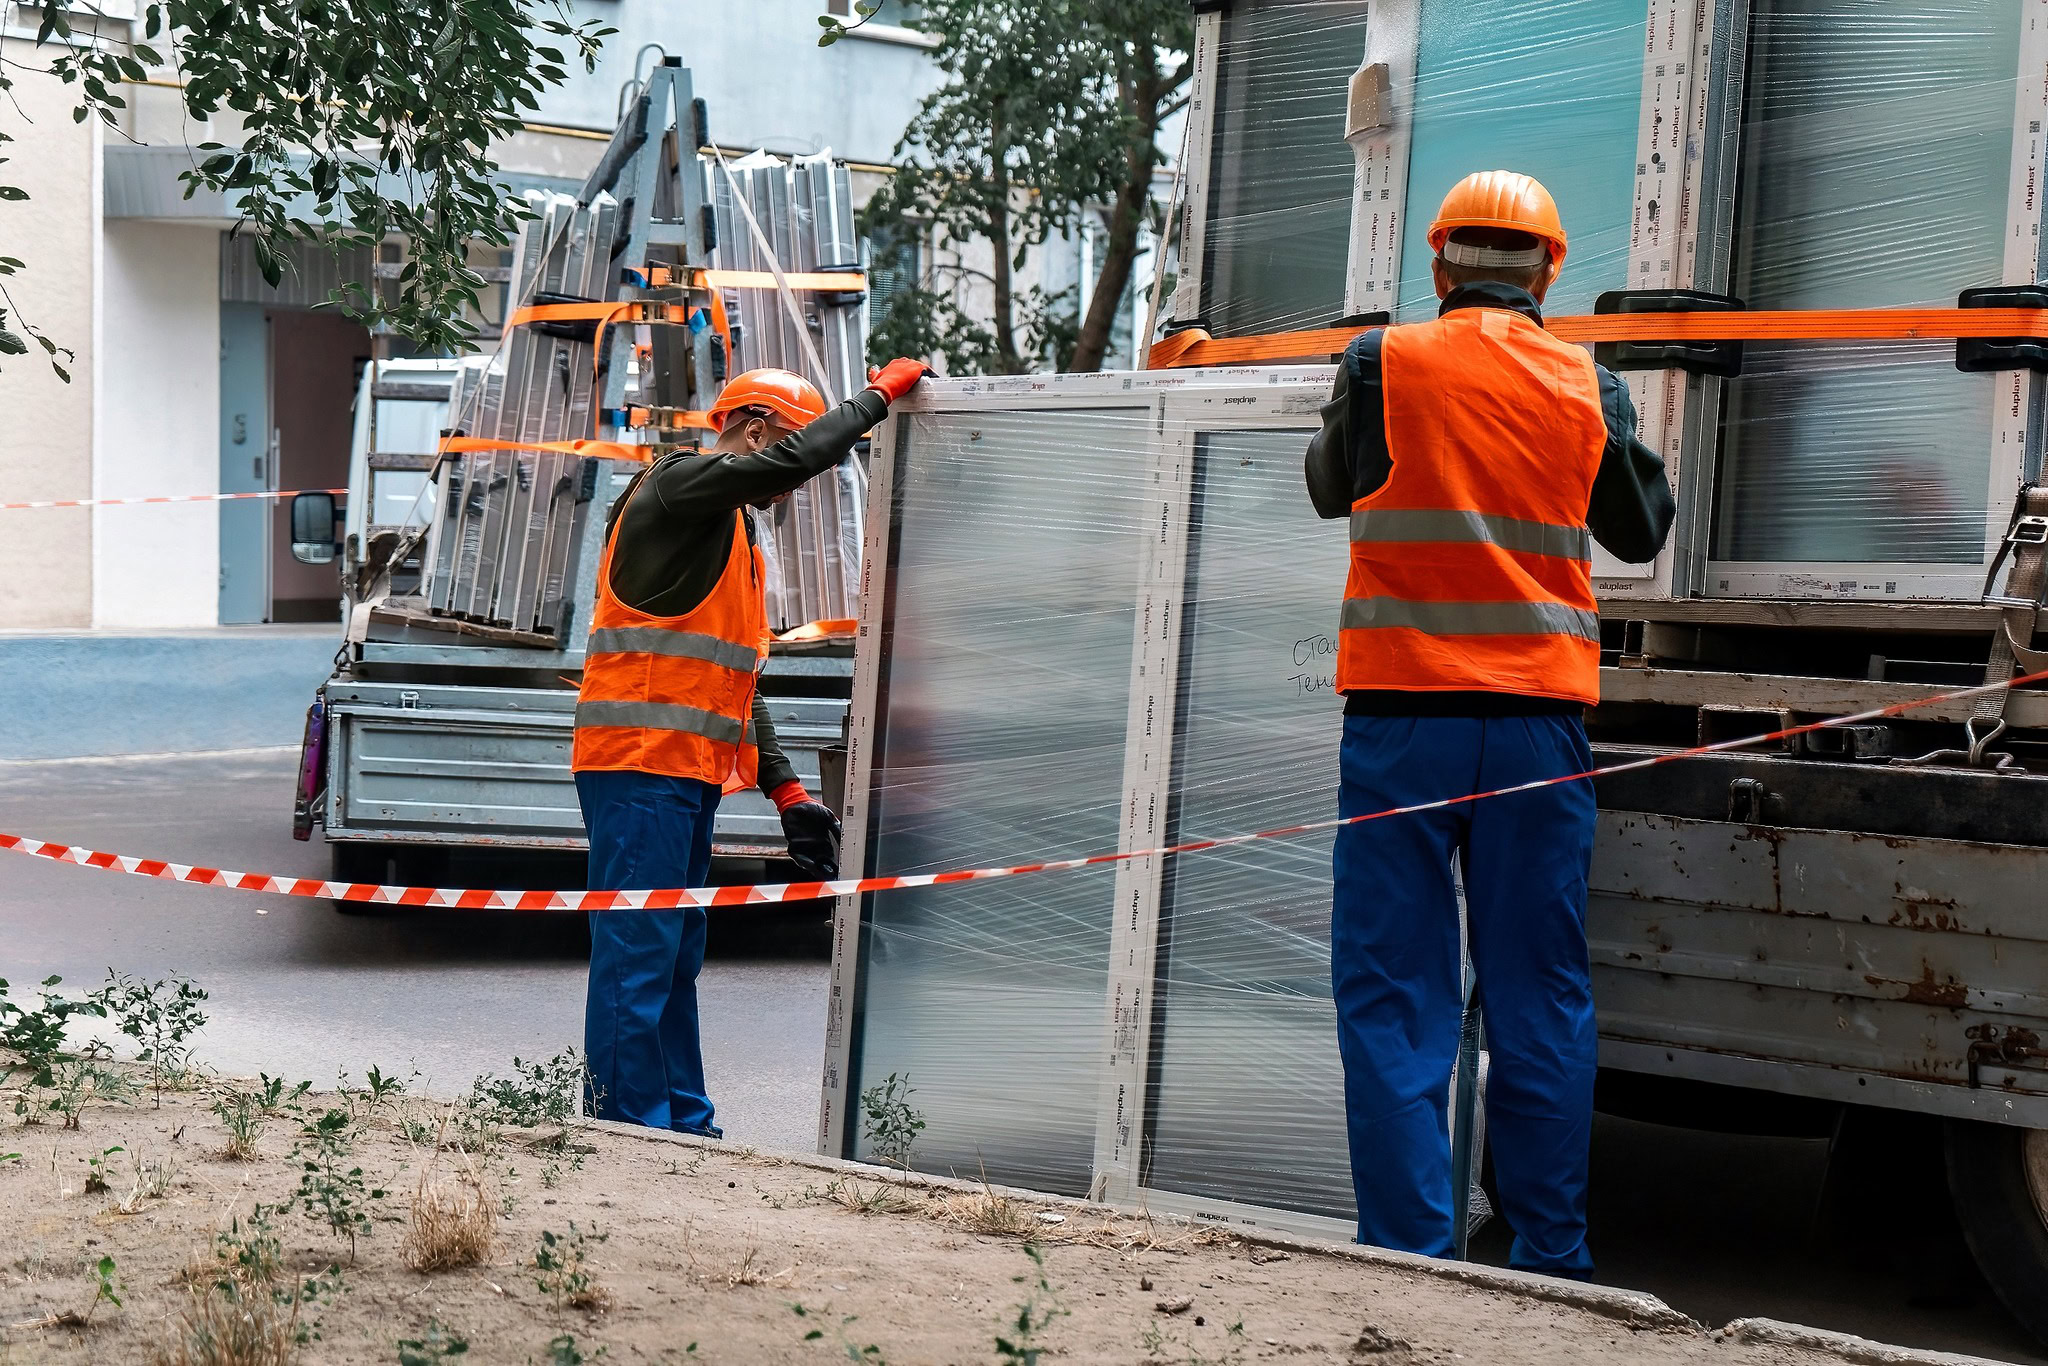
x,y
1051,110
361,120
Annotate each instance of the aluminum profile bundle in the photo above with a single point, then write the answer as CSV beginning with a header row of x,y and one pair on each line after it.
x,y
805,209
499,549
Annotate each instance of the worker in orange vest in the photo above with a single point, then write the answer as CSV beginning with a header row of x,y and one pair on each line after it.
x,y
669,717
1476,457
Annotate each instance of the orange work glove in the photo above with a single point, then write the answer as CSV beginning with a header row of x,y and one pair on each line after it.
x,y
897,378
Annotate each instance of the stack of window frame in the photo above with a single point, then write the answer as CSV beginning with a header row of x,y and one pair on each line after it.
x,y
1695,205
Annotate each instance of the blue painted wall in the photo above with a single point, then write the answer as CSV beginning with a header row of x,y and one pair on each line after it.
x,y
65,696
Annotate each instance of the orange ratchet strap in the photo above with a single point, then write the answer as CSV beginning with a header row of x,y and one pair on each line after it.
x,y
1193,346
821,282
607,312
604,312
607,450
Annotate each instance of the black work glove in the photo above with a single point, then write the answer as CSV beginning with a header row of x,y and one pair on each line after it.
x,y
813,834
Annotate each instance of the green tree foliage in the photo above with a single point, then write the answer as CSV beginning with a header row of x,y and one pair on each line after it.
x,y
1051,110
360,120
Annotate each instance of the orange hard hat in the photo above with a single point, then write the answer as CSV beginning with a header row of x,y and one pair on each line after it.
x,y
1500,199
794,400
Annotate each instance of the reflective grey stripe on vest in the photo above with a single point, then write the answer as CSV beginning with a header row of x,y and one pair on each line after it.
x,y
659,640
1509,533
1472,618
674,716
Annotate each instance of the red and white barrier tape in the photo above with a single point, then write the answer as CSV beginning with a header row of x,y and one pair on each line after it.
x,y
772,893
164,498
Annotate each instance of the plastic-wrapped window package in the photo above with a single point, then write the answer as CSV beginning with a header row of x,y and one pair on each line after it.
x,y
1876,142
1797,154
1099,615
1551,88
1248,1031
1279,172
1014,549
1325,135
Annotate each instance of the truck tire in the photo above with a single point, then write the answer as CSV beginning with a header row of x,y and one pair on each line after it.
x,y
1998,1176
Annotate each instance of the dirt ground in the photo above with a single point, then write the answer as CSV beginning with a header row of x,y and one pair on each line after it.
x,y
707,1253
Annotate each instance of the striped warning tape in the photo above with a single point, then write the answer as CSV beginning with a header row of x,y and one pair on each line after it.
x,y
163,498
479,899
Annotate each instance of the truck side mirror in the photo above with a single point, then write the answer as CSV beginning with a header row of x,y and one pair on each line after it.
x,y
314,527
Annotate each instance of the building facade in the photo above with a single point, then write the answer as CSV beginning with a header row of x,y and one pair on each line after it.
x,y
190,375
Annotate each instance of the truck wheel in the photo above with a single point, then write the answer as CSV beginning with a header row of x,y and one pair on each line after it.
x,y
1998,1175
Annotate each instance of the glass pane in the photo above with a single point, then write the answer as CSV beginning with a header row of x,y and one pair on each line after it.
x,y
1279,216
1006,696
1249,1093
1875,147
1551,88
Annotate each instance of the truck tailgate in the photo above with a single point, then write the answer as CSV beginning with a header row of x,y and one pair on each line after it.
x,y
442,764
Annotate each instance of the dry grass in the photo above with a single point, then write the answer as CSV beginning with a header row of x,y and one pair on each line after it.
x,y
152,1181
993,1215
987,1213
241,1115
746,1270
250,1329
880,1198
454,1221
233,1314
753,1157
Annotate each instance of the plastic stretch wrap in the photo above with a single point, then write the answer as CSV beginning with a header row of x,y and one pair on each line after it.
x,y
1107,625
1018,540
1798,154
805,208
1279,205
1876,141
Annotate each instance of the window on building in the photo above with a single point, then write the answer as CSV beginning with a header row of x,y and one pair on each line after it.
x,y
895,265
898,13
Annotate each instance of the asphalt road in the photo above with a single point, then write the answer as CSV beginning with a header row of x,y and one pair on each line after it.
x,y
300,989
1720,1226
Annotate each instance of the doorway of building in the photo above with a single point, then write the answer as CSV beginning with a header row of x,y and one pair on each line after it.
x,y
288,383
316,360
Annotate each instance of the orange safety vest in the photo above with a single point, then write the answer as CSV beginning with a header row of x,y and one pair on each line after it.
x,y
675,695
1471,567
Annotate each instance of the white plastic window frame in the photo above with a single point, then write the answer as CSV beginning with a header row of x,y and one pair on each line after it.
x,y
2016,396
1184,404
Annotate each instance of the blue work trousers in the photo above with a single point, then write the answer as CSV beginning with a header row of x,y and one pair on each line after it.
x,y
640,1018
1395,969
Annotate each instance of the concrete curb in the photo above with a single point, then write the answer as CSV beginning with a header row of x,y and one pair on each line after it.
x,y
1864,1352
1630,1307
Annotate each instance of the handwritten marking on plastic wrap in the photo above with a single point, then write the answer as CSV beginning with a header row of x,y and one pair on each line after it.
x,y
1315,663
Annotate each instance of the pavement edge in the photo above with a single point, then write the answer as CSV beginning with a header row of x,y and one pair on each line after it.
x,y
1631,1307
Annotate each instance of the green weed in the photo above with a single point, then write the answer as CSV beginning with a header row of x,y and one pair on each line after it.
x,y
161,1017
